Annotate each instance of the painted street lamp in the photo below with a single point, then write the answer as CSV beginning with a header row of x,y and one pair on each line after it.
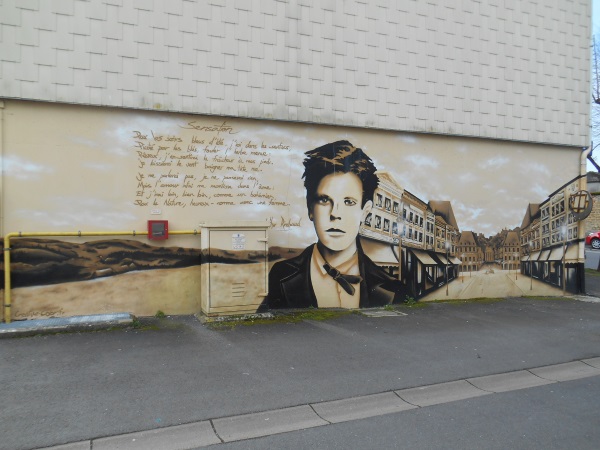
x,y
447,246
529,247
462,263
400,220
563,233
516,256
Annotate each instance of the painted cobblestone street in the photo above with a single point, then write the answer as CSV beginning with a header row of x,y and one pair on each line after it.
x,y
493,283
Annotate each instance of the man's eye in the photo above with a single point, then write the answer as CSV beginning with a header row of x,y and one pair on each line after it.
x,y
323,200
349,202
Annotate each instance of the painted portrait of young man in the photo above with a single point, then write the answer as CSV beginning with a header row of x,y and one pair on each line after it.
x,y
340,182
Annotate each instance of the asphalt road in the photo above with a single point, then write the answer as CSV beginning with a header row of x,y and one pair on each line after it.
x,y
592,279
563,416
71,387
591,258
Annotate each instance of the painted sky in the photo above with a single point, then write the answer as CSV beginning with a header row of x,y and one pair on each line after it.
x,y
70,168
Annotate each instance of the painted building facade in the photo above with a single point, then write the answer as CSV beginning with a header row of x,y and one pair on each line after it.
x,y
551,248
470,252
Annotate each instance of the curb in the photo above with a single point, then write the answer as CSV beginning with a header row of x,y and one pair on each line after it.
x,y
65,324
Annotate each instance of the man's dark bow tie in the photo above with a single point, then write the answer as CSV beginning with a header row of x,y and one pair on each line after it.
x,y
345,281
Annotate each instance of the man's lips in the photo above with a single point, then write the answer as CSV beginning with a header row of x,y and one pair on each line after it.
x,y
335,230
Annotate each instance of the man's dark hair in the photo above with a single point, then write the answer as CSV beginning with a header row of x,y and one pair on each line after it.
x,y
343,157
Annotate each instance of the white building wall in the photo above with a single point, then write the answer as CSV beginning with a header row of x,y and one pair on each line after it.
x,y
515,69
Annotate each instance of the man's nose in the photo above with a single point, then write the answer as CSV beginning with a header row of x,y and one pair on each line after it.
x,y
334,213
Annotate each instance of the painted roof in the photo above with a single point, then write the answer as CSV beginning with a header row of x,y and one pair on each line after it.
x,y
443,208
532,213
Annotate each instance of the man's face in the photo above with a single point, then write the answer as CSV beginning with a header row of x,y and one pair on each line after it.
x,y
337,212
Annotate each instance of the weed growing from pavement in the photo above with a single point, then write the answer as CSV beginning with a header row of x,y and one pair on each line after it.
x,y
485,300
291,317
413,305
159,314
287,317
410,302
155,323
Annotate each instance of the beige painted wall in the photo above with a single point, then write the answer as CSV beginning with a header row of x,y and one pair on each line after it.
x,y
70,168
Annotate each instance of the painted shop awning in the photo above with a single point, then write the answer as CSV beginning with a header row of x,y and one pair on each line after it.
x,y
544,255
442,258
530,257
557,253
424,257
455,260
379,252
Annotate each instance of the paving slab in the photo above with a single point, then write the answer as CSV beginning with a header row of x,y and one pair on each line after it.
x,y
83,445
567,371
361,407
382,313
593,362
440,393
586,298
510,381
171,438
249,426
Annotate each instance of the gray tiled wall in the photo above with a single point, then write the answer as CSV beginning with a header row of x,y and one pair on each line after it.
x,y
508,69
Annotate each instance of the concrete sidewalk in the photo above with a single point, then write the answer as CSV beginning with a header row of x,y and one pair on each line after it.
x,y
83,387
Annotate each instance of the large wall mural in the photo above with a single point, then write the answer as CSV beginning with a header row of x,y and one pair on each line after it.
x,y
355,217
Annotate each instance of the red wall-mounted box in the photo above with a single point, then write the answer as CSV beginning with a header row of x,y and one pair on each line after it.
x,y
158,229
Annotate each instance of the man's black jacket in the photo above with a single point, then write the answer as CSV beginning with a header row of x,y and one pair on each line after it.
x,y
290,285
